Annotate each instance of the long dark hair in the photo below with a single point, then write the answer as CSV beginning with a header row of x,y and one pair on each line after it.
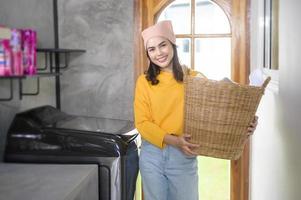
x,y
154,70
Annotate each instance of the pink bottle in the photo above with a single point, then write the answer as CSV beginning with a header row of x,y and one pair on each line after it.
x,y
29,41
17,61
2,60
5,58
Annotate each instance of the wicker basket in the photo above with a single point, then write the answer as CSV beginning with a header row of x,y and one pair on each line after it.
x,y
218,113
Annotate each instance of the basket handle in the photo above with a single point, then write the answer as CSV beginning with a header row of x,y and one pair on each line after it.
x,y
266,82
185,71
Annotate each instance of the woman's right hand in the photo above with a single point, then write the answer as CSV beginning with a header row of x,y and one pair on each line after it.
x,y
185,146
181,142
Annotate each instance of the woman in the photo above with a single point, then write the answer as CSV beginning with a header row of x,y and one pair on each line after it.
x,y
167,161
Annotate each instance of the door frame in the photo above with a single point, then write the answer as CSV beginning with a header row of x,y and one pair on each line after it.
x,y
238,12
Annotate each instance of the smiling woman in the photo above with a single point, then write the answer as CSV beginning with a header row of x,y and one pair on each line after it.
x,y
203,44
168,164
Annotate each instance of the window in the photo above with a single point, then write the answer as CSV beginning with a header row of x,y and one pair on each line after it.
x,y
203,36
270,35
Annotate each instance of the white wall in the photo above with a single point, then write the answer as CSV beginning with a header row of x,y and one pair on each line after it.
x,y
276,145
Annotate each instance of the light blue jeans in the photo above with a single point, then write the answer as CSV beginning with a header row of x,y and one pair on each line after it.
x,y
167,174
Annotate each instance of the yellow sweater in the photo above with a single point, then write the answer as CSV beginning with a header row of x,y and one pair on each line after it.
x,y
159,108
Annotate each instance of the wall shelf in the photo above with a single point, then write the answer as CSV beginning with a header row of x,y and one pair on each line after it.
x,y
44,74
58,50
50,53
11,77
51,69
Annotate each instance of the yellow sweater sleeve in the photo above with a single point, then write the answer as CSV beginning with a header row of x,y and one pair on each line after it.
x,y
149,131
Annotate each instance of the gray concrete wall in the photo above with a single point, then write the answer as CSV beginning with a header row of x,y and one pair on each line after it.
x,y
35,14
97,83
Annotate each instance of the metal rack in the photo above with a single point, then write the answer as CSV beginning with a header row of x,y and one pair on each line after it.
x,y
11,85
50,53
49,70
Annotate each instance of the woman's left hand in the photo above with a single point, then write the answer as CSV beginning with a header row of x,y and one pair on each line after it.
x,y
252,126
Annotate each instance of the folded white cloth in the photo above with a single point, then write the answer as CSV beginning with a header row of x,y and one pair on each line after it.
x,y
256,77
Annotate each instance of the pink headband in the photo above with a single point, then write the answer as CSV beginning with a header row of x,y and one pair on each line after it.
x,y
162,28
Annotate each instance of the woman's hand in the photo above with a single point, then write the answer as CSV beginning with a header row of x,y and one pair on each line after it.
x,y
181,142
252,126
185,146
